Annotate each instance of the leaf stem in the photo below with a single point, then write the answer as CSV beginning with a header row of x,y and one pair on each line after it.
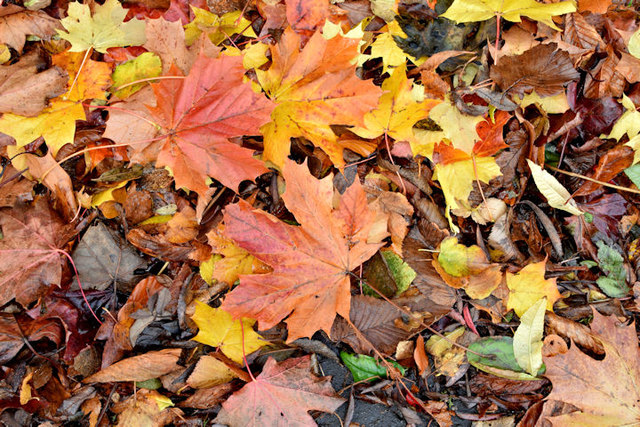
x,y
84,60
586,178
148,79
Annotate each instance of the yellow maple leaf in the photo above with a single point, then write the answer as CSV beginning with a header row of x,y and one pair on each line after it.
x,y
314,88
91,83
105,29
511,10
218,28
385,48
456,127
629,124
397,110
528,286
219,329
56,124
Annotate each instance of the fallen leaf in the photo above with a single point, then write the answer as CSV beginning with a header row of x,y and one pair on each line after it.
x,y
210,372
196,116
144,367
528,286
145,66
93,80
397,110
311,264
605,391
105,29
557,196
56,124
146,408
511,10
313,89
30,254
527,339
281,395
16,23
542,68
217,28
218,329
25,90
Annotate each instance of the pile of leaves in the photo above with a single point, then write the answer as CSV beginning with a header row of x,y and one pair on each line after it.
x,y
300,212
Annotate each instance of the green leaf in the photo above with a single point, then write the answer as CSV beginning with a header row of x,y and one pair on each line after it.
x,y
143,67
527,340
611,262
402,273
105,29
557,196
498,358
366,367
633,173
152,384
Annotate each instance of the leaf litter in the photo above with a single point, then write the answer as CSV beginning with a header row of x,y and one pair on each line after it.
x,y
306,213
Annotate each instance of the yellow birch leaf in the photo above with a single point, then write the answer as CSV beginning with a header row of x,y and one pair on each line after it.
x,y
56,124
397,111
145,66
511,10
218,329
528,286
105,29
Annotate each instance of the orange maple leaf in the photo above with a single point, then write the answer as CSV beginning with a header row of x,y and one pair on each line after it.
x,y
311,263
280,396
315,87
195,117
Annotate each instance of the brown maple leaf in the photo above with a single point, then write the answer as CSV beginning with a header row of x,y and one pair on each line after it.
x,y
311,263
30,251
280,396
195,118
607,392
541,68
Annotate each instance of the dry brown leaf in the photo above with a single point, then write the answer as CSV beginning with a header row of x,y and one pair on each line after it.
x,y
578,32
375,319
24,90
604,80
541,68
17,23
145,367
577,332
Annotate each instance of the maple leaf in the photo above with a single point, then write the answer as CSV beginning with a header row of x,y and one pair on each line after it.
x,y
56,124
311,263
105,29
529,285
606,392
280,396
196,116
218,28
16,24
218,329
29,251
511,10
93,80
314,88
397,110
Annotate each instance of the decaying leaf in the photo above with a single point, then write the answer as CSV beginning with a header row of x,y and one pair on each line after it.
x,y
139,368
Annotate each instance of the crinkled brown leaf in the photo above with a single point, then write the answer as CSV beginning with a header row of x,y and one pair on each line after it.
x,y
147,366
17,23
541,68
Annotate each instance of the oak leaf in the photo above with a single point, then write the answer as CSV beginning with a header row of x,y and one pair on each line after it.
x,y
280,396
195,116
311,263
105,29
16,24
511,10
56,124
529,285
606,391
219,329
30,260
315,87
